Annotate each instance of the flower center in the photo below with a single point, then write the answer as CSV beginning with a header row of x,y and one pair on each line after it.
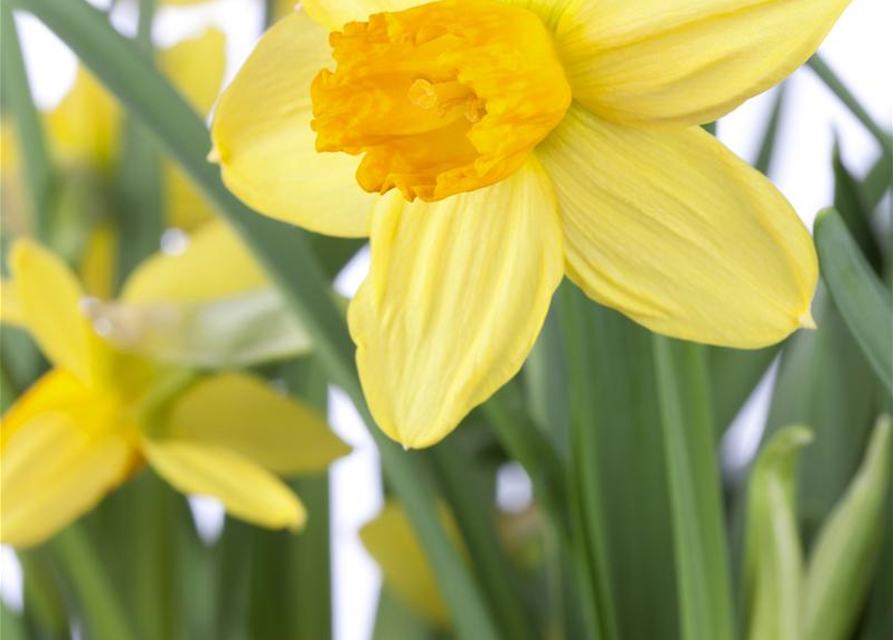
x,y
441,98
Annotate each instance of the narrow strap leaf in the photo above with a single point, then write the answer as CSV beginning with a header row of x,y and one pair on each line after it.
x,y
844,556
699,535
858,294
773,556
836,85
105,617
37,170
763,163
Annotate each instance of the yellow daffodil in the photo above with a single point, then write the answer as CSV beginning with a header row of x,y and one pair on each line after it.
x,y
84,127
391,541
506,144
99,415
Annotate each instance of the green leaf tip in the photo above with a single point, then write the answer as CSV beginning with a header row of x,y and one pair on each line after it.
x,y
844,557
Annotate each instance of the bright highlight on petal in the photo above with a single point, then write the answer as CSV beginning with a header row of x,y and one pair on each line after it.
x,y
676,232
242,413
458,292
247,490
442,98
685,62
263,142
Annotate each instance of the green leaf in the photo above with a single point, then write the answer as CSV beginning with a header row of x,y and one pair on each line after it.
x,y
395,620
851,203
285,254
737,373
290,575
836,85
104,614
12,627
628,455
702,570
844,556
524,442
589,524
765,155
773,555
824,381
37,170
44,596
878,181
476,519
861,299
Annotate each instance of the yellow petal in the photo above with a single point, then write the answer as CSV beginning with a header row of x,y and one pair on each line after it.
x,y
84,126
196,66
100,261
679,234
686,61
243,413
332,14
246,489
50,298
264,144
390,539
61,458
456,297
55,391
10,309
187,207
214,265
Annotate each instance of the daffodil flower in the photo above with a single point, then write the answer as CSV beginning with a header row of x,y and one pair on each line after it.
x,y
506,144
99,415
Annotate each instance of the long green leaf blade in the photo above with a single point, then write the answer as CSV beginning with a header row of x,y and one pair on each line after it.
x,y
699,535
844,556
858,294
773,555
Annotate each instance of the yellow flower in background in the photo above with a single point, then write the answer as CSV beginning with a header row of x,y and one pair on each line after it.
x,y
391,541
506,144
84,128
100,414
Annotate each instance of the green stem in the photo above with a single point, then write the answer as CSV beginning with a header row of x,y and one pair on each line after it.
x,y
102,608
476,521
37,170
836,85
702,568
285,253
139,187
528,445
587,492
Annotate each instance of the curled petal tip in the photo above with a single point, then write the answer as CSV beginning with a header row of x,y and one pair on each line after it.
x,y
213,155
806,321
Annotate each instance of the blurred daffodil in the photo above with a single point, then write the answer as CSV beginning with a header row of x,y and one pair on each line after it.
x,y
100,414
506,144
84,128
391,540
